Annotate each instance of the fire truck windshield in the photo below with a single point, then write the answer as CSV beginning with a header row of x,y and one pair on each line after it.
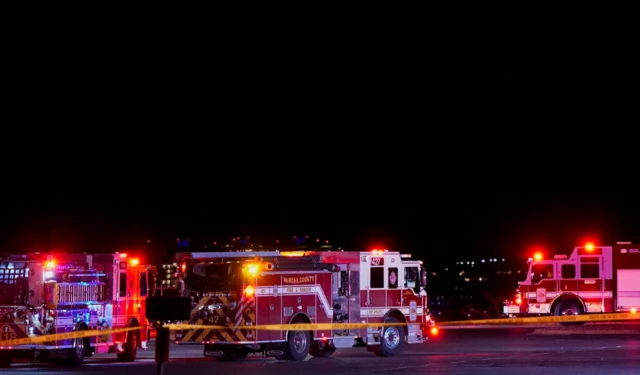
x,y
541,271
211,277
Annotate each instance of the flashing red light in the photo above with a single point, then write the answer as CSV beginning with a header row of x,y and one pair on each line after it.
x,y
537,256
134,261
249,291
183,267
123,255
589,246
518,300
434,331
51,264
634,310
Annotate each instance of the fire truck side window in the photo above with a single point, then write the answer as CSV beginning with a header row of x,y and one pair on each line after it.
x,y
411,278
123,284
377,277
568,271
143,284
393,278
541,271
589,267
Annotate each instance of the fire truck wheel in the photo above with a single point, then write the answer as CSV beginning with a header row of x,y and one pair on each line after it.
x,y
569,308
298,344
130,348
76,354
391,340
5,359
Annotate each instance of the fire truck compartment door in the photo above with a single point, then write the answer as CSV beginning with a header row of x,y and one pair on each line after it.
x,y
629,288
52,294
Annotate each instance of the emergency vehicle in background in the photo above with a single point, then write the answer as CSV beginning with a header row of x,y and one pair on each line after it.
x,y
239,290
43,294
593,279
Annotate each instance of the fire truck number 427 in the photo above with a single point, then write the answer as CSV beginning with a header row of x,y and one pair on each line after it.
x,y
307,291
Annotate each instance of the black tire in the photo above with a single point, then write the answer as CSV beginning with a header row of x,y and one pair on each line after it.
x,y
77,353
316,351
130,352
391,339
298,345
568,308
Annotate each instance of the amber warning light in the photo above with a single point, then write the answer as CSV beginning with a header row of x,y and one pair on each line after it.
x,y
248,291
252,269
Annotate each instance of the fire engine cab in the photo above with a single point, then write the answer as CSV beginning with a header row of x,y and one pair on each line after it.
x,y
593,279
44,294
240,290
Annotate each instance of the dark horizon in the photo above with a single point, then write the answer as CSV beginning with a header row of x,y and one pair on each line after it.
x,y
443,227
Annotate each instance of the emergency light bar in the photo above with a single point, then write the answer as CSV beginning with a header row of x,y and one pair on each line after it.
x,y
229,254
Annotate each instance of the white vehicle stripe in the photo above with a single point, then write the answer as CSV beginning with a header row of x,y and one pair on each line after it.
x,y
533,295
380,311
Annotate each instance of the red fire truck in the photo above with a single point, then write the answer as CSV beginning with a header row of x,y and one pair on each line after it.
x,y
239,290
43,294
593,279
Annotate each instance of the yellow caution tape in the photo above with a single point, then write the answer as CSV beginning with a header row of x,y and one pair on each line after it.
x,y
546,319
63,336
329,326
287,327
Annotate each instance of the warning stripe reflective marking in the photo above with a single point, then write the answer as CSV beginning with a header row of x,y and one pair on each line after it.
x,y
189,334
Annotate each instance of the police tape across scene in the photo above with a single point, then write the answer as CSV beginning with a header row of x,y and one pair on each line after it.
x,y
546,319
338,326
286,327
328,326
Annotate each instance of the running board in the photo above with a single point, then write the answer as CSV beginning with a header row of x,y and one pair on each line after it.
x,y
344,341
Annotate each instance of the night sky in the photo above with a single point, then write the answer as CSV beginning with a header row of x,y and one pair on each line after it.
x,y
464,153
439,216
